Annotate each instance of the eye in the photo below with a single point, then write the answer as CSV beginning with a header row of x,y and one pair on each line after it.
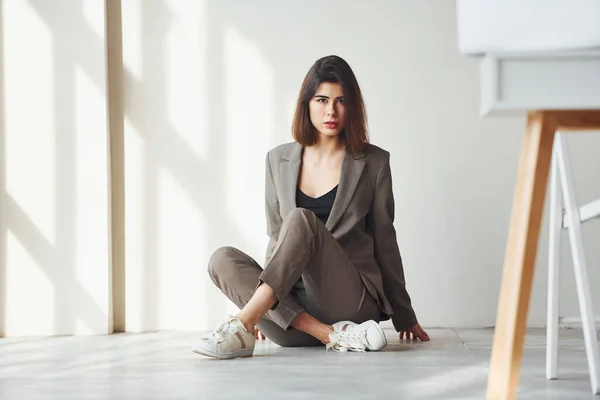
x,y
341,101
321,100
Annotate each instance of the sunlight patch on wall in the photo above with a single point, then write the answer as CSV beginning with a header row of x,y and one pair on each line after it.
x,y
250,106
186,74
29,115
91,191
30,308
182,238
81,328
131,16
91,10
134,226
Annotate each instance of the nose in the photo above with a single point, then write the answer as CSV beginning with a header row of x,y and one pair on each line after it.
x,y
331,108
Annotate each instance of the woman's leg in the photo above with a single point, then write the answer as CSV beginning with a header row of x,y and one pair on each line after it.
x,y
306,249
334,288
236,275
290,338
264,299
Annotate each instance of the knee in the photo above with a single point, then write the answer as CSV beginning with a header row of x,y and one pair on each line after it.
x,y
221,262
303,218
300,214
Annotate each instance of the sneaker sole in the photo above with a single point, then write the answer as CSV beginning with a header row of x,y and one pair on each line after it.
x,y
382,336
225,356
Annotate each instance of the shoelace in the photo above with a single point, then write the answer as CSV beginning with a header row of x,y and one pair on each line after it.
x,y
348,340
219,333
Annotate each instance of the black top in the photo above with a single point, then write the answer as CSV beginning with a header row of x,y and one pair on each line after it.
x,y
321,206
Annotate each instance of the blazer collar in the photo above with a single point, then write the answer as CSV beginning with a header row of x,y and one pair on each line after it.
x,y
352,168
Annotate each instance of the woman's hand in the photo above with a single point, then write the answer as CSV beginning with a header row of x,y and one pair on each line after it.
x,y
258,335
416,332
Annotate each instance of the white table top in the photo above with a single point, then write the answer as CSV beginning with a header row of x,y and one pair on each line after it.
x,y
553,25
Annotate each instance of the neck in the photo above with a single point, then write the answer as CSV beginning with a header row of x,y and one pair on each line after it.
x,y
326,146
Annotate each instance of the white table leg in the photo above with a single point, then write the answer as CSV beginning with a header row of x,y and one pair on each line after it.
x,y
579,264
553,271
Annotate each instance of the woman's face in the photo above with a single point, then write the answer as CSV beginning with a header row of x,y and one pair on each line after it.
x,y
327,109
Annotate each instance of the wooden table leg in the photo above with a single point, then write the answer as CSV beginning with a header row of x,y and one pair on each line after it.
x,y
521,251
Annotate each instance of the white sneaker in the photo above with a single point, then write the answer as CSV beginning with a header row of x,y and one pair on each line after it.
x,y
348,335
229,340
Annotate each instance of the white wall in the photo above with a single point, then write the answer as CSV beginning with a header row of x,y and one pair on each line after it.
x,y
54,267
210,87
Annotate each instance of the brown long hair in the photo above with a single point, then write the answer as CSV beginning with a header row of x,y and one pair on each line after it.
x,y
332,69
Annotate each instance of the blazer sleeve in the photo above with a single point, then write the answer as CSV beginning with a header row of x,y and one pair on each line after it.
x,y
387,253
271,211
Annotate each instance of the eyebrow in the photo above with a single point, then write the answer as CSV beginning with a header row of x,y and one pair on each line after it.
x,y
327,97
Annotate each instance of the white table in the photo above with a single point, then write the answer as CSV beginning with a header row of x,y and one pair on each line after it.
x,y
542,58
557,91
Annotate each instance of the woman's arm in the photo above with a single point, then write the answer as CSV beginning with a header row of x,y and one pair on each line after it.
x,y
387,253
272,211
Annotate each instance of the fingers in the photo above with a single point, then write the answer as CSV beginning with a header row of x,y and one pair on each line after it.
x,y
424,336
406,335
420,333
415,332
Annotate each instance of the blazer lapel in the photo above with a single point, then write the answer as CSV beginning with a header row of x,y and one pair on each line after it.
x,y
288,173
352,168
289,168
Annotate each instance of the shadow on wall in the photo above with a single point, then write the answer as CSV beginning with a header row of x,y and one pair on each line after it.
x,y
147,110
204,180
58,260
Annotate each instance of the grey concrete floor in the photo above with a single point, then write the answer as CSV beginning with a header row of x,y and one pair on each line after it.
x,y
161,365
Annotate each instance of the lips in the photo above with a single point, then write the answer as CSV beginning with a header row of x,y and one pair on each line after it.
x,y
331,124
